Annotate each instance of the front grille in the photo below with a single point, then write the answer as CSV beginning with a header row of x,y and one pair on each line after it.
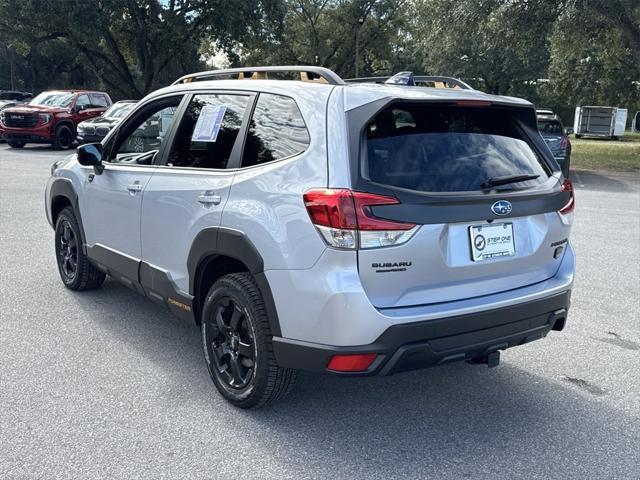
x,y
20,120
102,131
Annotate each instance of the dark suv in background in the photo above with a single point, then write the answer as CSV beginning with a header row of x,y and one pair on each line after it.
x,y
51,117
557,139
95,129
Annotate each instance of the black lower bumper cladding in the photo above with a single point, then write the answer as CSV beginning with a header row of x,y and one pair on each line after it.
x,y
417,345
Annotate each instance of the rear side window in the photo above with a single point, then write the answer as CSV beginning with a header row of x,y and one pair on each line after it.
x,y
435,148
277,131
208,131
98,100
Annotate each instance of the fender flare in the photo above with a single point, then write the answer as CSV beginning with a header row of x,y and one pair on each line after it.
x,y
63,187
221,241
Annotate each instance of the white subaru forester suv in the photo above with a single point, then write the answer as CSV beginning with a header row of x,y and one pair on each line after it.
x,y
351,228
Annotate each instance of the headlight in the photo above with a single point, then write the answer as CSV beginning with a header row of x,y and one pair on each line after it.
x,y
2,117
45,117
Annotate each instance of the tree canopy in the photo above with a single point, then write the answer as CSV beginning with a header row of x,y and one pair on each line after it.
x,y
557,53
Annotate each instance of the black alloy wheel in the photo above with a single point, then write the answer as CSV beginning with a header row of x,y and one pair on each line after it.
x,y
67,250
76,272
64,138
231,344
237,343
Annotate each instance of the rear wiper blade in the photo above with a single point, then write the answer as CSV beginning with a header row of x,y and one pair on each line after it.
x,y
495,181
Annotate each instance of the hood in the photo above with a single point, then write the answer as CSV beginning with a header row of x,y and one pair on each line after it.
x,y
35,109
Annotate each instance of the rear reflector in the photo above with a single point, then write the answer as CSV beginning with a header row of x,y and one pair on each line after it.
x,y
344,219
351,363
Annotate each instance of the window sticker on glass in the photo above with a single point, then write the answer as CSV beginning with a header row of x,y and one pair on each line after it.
x,y
208,124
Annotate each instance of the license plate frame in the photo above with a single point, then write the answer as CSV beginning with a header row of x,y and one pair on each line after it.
x,y
491,240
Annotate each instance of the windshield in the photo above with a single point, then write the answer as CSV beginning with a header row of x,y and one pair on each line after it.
x,y
53,99
448,149
118,110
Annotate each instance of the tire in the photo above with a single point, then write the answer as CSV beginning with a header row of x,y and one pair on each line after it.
x,y
76,272
138,145
13,144
236,339
64,138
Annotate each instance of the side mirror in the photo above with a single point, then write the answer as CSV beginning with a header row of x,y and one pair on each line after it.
x,y
569,131
90,155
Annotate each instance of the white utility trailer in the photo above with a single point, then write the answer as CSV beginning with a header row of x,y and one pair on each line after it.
x,y
603,122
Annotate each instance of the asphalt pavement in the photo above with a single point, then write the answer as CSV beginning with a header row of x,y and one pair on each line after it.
x,y
105,384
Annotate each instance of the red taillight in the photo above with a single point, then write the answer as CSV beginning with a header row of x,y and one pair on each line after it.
x,y
351,363
567,186
346,209
331,208
564,143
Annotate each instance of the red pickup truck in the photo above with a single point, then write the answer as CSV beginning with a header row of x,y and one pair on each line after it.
x,y
51,117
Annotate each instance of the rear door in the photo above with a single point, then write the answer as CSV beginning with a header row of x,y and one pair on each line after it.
x,y
189,190
449,166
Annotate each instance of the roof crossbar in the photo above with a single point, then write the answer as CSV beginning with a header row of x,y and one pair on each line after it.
x,y
439,81
305,73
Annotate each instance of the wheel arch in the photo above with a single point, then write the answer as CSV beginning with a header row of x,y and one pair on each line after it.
x,y
220,251
62,195
66,123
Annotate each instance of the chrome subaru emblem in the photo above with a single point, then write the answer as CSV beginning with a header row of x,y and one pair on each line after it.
x,y
501,207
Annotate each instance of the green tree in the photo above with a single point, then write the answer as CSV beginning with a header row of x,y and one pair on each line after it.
x,y
325,32
133,46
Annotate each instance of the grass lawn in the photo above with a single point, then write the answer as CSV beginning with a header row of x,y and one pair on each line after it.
x,y
592,154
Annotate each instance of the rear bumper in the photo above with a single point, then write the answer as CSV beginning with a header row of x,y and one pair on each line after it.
x,y
434,342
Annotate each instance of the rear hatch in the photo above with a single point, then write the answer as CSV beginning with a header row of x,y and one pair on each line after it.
x,y
479,186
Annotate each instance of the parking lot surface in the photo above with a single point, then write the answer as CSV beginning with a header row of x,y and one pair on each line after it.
x,y
106,384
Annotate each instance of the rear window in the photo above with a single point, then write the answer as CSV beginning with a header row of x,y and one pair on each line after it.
x,y
551,127
434,148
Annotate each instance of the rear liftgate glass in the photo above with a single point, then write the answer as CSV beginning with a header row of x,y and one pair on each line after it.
x,y
450,201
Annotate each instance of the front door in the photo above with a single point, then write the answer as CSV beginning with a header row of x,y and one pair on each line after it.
x,y
111,203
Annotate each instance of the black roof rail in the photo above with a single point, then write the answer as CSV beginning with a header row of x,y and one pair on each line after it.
x,y
318,74
440,81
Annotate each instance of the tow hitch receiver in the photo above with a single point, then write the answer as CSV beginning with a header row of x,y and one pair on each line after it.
x,y
490,360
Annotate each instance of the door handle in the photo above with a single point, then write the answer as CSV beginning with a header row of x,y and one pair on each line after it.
x,y
209,198
134,187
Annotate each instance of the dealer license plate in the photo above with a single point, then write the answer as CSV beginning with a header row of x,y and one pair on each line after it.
x,y
491,241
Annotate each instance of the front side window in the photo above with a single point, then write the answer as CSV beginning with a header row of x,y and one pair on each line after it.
x,y
436,148
277,131
139,139
83,102
208,131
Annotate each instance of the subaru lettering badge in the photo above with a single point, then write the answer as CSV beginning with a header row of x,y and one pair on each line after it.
x,y
501,207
